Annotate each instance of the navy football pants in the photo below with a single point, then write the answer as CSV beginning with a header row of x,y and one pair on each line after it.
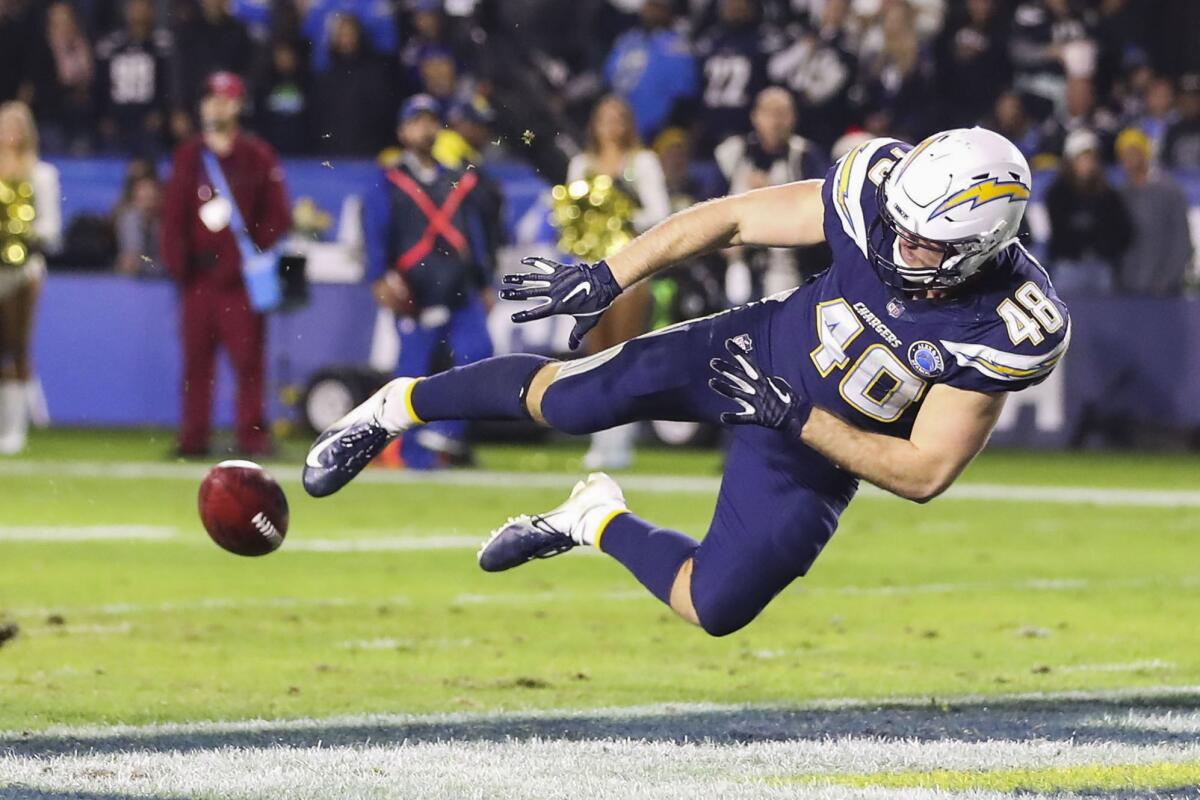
x,y
779,501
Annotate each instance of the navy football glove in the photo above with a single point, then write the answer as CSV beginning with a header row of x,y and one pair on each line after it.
x,y
767,401
582,290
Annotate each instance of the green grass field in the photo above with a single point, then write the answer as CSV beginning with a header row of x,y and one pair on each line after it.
x,y
129,614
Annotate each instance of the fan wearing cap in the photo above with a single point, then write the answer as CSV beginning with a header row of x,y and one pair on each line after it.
x,y
467,144
468,139
428,259
200,251
1158,259
1089,224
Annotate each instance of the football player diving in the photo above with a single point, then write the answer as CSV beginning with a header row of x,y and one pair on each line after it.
x,y
892,366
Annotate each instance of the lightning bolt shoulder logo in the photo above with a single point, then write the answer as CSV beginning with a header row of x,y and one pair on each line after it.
x,y
984,191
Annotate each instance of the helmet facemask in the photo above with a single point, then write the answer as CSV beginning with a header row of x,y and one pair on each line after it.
x,y
960,259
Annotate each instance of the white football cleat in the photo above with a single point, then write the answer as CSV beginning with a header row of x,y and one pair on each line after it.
x,y
346,447
578,521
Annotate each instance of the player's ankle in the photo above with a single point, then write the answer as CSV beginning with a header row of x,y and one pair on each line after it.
x,y
396,414
595,520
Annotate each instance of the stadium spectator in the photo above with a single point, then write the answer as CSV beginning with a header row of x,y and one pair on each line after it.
x,y
201,252
703,15
468,144
694,287
686,186
1129,92
429,30
928,18
1157,260
439,78
207,40
896,80
138,222
1080,113
651,67
732,57
18,37
354,104
131,82
376,19
1048,36
1181,143
468,139
816,63
1009,118
615,149
27,184
255,15
427,263
972,68
1159,113
1090,227
688,181
1120,30
770,155
283,107
62,97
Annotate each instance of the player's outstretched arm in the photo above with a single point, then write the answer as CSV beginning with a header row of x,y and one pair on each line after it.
x,y
952,426
778,216
789,215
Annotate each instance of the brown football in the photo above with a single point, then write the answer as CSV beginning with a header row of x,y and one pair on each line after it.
x,y
243,509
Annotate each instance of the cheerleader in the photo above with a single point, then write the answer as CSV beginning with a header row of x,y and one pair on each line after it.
x,y
30,226
613,149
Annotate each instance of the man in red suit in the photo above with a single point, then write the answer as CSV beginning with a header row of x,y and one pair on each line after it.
x,y
200,251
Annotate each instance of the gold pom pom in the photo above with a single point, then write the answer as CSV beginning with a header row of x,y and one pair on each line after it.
x,y
594,217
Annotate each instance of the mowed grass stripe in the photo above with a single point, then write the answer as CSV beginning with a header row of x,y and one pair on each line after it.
x,y
1087,778
120,608
651,484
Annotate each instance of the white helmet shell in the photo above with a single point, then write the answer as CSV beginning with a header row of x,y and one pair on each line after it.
x,y
967,188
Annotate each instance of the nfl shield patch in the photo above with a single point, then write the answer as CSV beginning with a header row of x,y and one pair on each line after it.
x,y
895,308
926,359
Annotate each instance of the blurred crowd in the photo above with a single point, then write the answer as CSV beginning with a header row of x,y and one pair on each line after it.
x,y
655,104
727,95
328,76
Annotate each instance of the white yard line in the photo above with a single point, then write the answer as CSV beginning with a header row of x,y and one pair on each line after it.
x,y
360,541
86,533
383,544
652,484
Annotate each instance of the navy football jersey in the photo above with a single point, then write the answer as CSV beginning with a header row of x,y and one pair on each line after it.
x,y
734,67
874,351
